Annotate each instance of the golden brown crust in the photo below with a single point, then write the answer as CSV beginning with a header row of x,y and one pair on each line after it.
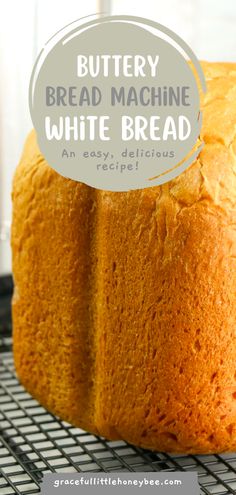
x,y
124,304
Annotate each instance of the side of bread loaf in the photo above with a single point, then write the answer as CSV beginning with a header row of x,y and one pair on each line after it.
x,y
124,308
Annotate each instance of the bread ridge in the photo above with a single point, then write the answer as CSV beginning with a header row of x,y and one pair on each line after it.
x,y
124,382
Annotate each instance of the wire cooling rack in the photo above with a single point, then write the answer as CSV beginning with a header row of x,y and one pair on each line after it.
x,y
34,442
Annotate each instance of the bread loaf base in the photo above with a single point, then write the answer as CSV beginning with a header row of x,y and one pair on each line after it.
x,y
124,303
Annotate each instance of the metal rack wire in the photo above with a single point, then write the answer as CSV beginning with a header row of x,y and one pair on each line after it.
x,y
34,442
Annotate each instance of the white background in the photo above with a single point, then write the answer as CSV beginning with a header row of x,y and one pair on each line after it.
x,y
208,26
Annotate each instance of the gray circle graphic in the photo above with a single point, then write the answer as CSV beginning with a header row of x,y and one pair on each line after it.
x,y
115,103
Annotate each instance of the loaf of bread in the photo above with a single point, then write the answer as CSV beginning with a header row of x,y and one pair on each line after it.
x,y
124,306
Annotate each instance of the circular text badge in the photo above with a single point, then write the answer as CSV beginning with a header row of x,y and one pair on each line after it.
x,y
115,103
